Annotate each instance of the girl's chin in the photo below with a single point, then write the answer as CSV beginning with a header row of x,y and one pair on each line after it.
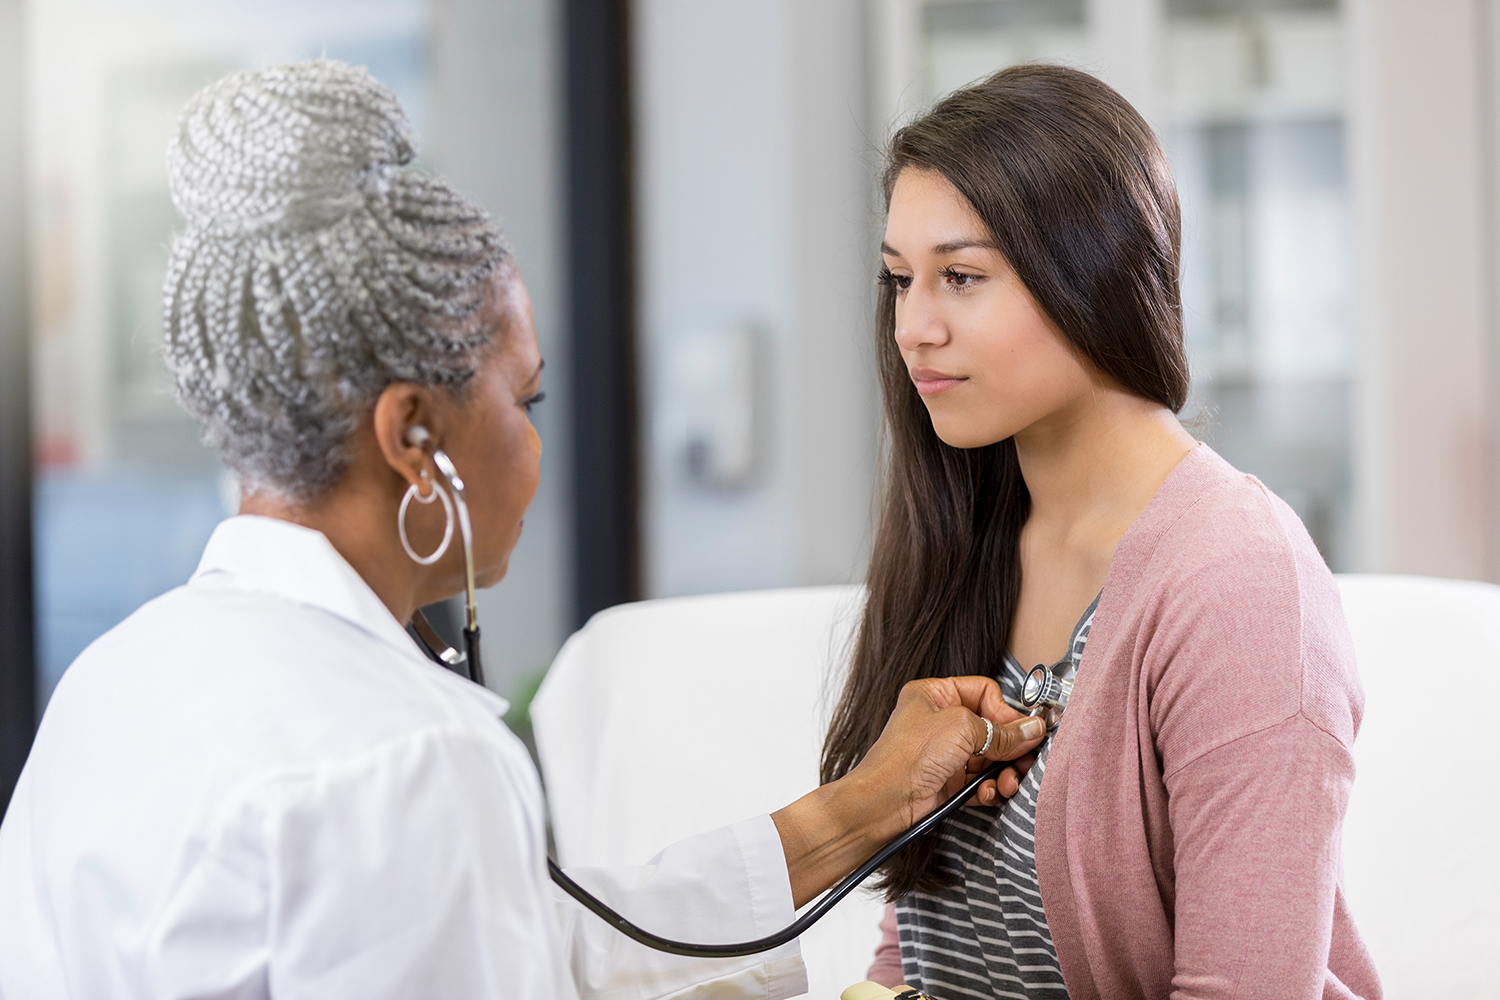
x,y
965,438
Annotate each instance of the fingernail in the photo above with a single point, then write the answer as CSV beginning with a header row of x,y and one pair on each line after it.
x,y
1033,729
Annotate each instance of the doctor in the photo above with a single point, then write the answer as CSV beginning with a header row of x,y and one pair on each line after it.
x,y
257,786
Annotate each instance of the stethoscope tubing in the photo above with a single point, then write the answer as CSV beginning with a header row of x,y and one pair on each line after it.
x,y
797,927
598,907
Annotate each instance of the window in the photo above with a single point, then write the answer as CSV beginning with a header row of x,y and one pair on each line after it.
x,y
125,495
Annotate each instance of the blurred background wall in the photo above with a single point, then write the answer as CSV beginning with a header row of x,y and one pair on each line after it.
x,y
1337,162
1423,112
497,113
756,241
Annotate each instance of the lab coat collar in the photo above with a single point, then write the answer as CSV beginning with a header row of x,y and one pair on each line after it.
x,y
300,564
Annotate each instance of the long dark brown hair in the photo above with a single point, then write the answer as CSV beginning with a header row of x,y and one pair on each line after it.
x,y
1076,193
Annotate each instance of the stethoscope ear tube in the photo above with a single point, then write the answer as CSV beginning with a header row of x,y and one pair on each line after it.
x,y
472,665
797,927
471,647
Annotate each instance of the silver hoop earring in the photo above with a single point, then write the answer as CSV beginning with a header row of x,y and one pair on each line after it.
x,y
437,493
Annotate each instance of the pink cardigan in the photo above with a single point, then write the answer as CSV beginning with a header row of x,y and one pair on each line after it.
x,y
1187,832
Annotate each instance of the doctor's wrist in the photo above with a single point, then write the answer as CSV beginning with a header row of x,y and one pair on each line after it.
x,y
830,831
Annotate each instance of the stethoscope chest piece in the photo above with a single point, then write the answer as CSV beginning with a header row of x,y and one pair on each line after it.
x,y
1045,695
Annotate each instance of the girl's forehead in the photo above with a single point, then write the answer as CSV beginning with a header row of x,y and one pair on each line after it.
x,y
928,213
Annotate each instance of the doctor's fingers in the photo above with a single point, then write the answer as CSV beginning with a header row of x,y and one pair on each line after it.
x,y
1006,741
980,695
1010,740
1004,786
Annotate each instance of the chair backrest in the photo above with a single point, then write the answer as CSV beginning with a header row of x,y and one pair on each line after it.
x,y
668,718
1422,836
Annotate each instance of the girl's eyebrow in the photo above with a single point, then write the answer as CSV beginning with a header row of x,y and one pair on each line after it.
x,y
946,248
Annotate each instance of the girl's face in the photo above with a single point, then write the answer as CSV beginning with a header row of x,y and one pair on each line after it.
x,y
985,358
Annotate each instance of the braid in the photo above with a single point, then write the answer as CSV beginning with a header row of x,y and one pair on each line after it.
x,y
313,270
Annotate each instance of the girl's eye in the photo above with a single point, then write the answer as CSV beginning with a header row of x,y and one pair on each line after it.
x,y
958,278
534,400
900,282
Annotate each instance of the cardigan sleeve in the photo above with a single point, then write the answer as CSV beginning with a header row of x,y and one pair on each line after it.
x,y
1256,829
886,969
1189,827
1254,701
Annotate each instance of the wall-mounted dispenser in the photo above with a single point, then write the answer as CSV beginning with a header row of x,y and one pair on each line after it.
x,y
710,402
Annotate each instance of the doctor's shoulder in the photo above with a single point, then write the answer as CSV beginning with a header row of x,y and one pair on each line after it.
x,y
207,702
261,679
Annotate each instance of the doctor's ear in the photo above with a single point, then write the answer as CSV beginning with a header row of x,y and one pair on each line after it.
x,y
407,429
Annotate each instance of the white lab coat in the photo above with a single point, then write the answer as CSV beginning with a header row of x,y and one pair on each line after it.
x,y
257,786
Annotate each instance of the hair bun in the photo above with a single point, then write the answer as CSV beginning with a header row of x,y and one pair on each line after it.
x,y
293,146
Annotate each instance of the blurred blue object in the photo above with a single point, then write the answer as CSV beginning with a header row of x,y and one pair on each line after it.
x,y
107,542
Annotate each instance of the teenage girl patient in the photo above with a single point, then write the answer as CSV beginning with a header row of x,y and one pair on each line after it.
x,y
1178,832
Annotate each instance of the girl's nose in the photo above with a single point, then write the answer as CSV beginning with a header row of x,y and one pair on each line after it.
x,y
918,322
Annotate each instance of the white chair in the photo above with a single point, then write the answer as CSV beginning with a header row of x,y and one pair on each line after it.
x,y
667,718
1422,836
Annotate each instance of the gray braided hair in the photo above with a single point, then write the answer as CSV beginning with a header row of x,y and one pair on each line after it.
x,y
313,270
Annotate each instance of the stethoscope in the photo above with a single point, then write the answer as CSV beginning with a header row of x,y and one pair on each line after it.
x,y
1043,695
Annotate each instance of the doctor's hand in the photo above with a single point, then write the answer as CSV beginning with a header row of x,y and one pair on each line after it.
x,y
930,743
922,757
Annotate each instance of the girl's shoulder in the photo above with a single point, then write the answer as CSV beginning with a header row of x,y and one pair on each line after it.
x,y
1210,517
1231,607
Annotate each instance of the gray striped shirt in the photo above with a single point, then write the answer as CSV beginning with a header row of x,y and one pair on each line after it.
x,y
988,936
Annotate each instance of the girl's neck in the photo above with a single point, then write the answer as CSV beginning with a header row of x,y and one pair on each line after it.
x,y
1098,463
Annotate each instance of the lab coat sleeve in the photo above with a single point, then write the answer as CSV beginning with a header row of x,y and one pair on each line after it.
x,y
725,886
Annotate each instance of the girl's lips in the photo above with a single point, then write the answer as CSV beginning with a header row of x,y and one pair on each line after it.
x,y
930,383
933,386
